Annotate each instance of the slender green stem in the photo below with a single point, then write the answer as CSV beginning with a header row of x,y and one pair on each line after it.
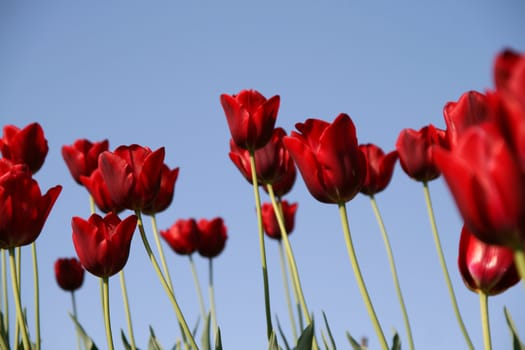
x,y
6,300
287,291
18,253
485,324
519,261
393,270
269,327
197,287
359,277
212,296
37,296
127,309
18,304
443,264
167,289
75,314
107,318
92,204
161,251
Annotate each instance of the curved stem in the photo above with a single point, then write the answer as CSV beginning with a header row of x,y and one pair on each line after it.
x,y
443,264
6,300
287,291
485,324
74,304
212,296
107,318
269,326
197,287
393,270
18,304
161,251
167,289
359,277
519,261
37,296
127,309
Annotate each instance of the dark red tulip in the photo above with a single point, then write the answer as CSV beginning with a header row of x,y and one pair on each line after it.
x,y
270,224
102,244
132,175
328,157
98,189
486,268
504,66
25,146
379,168
165,195
212,237
23,209
69,274
251,117
415,150
182,236
82,157
284,185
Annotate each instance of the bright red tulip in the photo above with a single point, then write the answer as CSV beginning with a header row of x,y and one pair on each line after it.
x,y
270,224
82,157
415,150
251,117
69,273
23,209
132,175
212,237
165,195
486,268
328,157
182,236
379,168
102,244
25,146
98,189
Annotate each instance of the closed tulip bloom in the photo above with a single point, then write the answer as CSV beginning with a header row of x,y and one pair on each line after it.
x,y
82,157
69,273
379,168
285,184
132,175
164,197
270,224
212,237
251,117
504,66
102,243
97,188
182,236
328,157
486,268
23,209
415,150
25,146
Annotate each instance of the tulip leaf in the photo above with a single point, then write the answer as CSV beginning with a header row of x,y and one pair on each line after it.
x,y
325,342
272,343
88,342
205,337
517,344
354,343
305,340
332,341
396,342
196,327
4,336
127,345
153,343
218,340
282,334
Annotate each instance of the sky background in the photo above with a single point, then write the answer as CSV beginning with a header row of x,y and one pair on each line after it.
x,y
152,72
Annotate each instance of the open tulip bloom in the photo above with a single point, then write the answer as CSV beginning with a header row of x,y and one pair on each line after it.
x,y
480,154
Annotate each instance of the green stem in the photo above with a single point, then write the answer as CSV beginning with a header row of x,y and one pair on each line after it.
x,y
287,291
107,318
6,300
161,251
18,304
37,296
393,270
519,261
92,207
197,287
212,297
443,264
359,277
485,324
127,309
167,289
269,327
74,303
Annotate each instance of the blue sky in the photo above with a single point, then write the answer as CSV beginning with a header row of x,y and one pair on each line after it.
x,y
152,73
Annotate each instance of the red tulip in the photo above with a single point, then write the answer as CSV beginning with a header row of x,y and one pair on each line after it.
x,y
132,175
270,224
165,195
26,146
212,237
98,189
415,150
329,159
251,117
182,236
69,274
285,183
486,268
82,157
23,209
504,65
379,168
102,244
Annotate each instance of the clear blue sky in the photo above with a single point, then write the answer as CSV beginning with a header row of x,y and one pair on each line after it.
x,y
151,73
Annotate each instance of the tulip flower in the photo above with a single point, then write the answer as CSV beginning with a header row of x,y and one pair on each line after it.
x,y
486,268
504,65
164,197
98,189
182,236
270,224
132,175
69,274
25,146
102,243
328,157
379,168
82,157
212,237
23,209
285,184
251,118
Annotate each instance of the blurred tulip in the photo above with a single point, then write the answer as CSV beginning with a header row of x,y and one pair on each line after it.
x,y
379,168
182,236
164,197
82,157
270,224
25,146
212,237
69,273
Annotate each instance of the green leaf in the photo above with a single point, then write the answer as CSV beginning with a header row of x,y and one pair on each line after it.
x,y
127,346
305,340
88,342
205,337
196,327
4,336
325,342
354,343
218,340
332,341
282,334
272,343
516,342
396,342
153,343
